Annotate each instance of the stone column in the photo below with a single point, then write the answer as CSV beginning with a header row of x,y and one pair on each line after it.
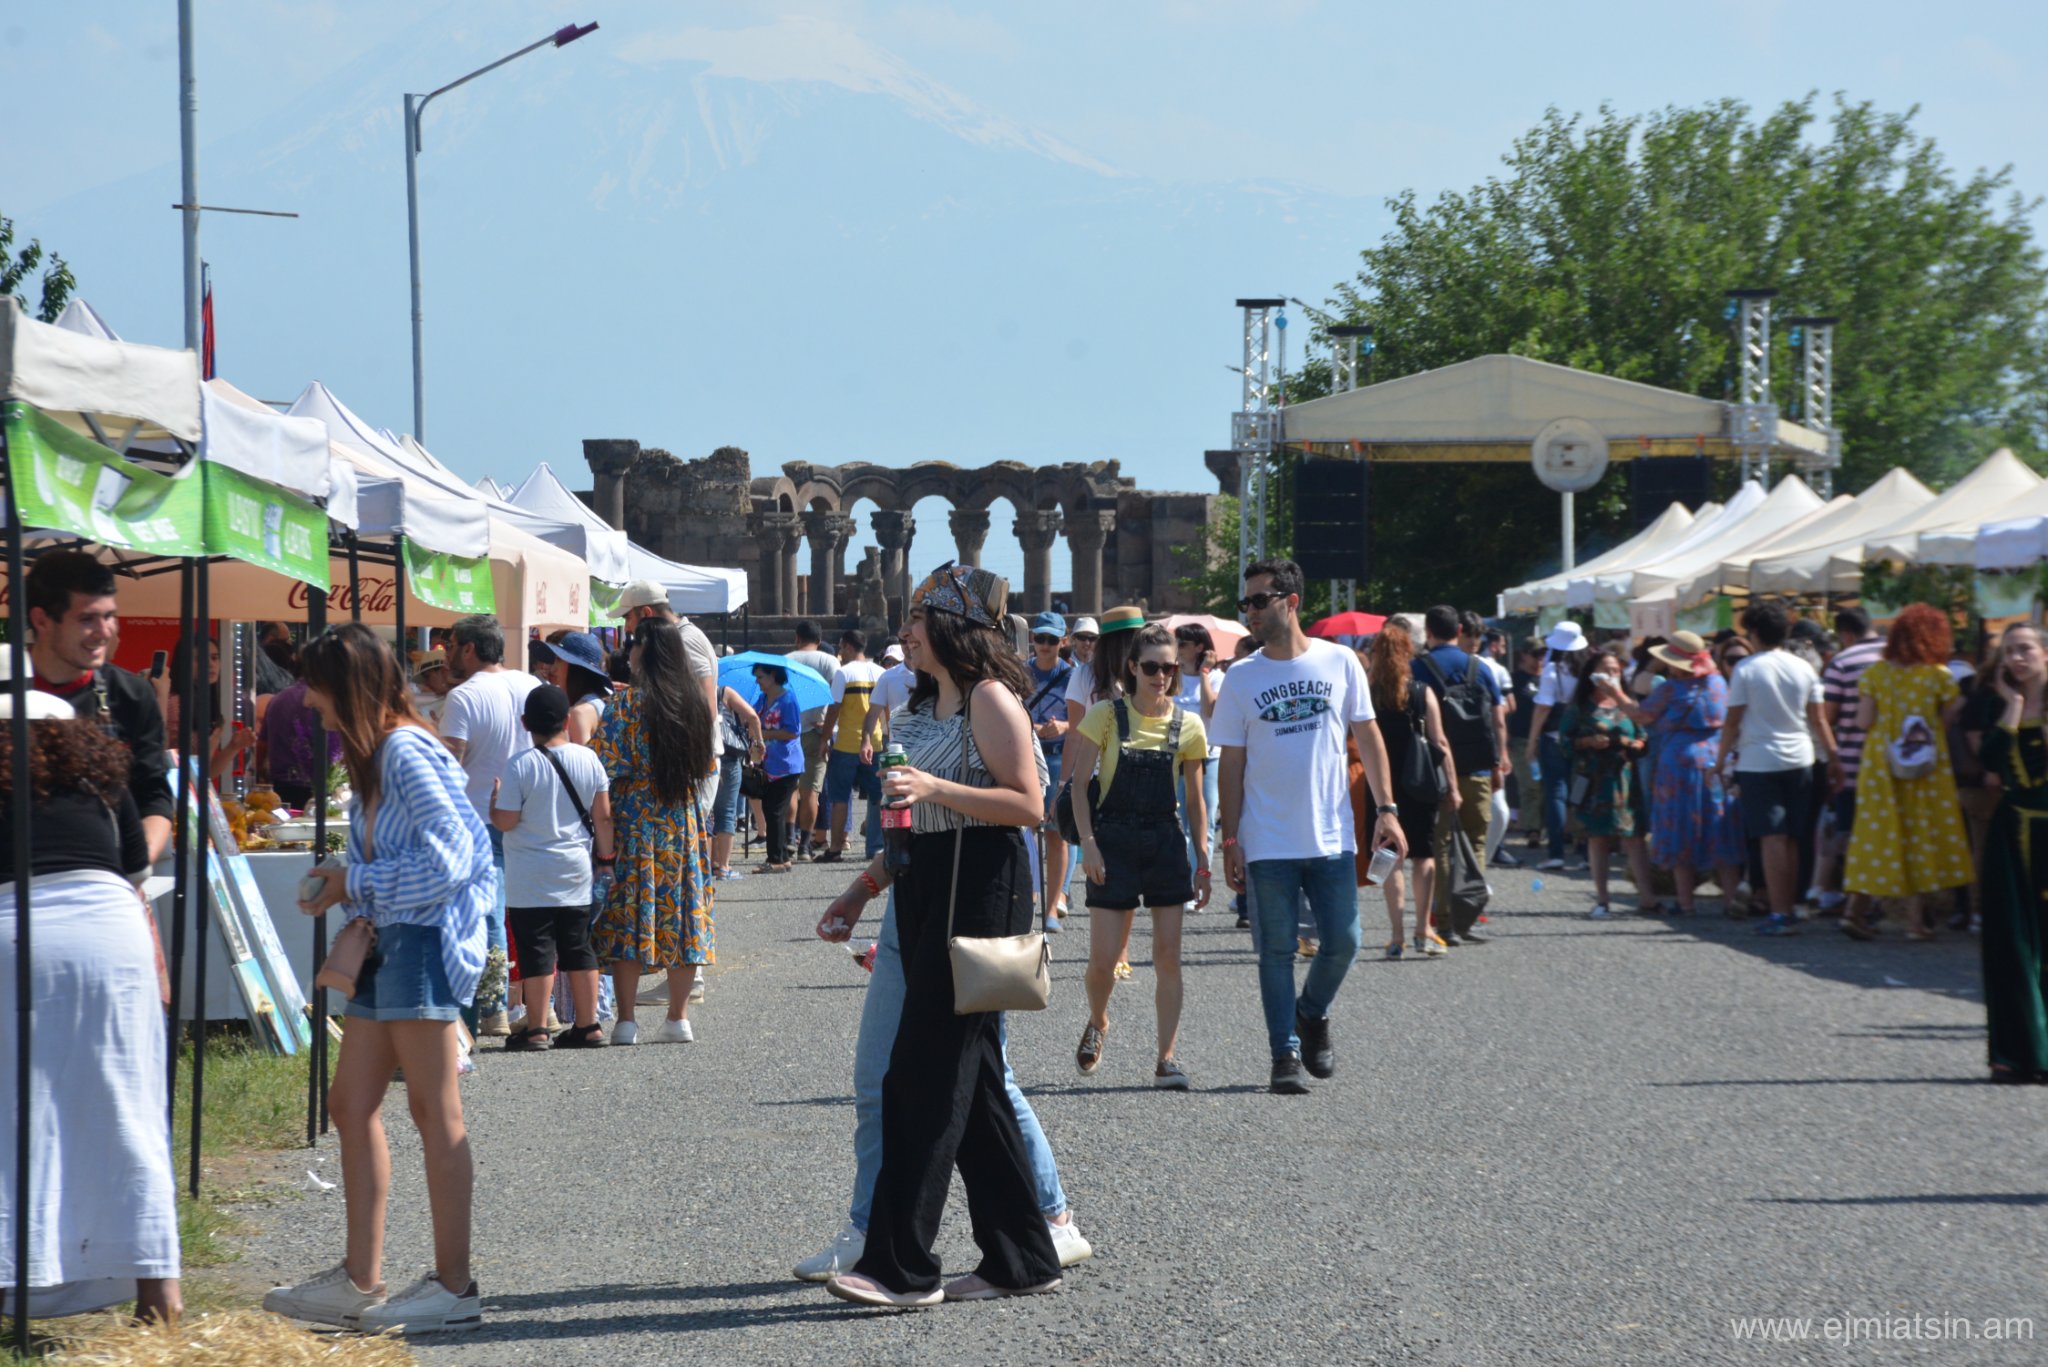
x,y
970,530
1086,533
609,459
829,532
1035,532
893,531
792,538
770,531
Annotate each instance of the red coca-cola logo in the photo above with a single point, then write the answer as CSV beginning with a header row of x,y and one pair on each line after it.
x,y
378,595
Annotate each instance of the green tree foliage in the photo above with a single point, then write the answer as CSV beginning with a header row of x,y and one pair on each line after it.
x,y
17,267
1609,244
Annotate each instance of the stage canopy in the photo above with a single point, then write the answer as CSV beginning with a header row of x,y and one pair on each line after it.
x,y
1491,408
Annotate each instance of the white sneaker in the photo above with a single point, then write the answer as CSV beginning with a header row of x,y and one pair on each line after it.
x,y
696,989
838,1256
325,1298
656,995
674,1032
1550,866
625,1032
426,1307
1069,1243
1599,913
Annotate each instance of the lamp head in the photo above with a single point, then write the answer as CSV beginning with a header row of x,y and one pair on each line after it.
x,y
569,33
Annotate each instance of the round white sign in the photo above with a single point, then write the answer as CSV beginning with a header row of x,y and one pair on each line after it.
x,y
1569,454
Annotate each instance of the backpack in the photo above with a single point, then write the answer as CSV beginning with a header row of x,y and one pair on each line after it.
x,y
1468,716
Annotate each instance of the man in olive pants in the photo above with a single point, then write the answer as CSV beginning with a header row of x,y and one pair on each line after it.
x,y
1479,747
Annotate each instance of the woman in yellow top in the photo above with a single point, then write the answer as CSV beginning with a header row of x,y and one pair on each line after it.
x,y
1908,838
1133,846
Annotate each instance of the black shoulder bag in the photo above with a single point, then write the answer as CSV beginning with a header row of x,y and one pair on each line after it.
x,y
582,813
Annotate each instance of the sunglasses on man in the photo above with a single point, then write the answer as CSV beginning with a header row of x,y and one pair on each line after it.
x,y
1045,640
1259,602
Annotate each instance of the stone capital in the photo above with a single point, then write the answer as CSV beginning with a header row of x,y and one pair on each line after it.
x,y
772,528
610,455
826,527
968,524
1036,530
893,528
1090,528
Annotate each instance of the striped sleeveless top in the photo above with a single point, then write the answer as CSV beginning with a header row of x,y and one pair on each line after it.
x,y
934,746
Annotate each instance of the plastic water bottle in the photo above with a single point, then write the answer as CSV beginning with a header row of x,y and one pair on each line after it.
x,y
601,878
1535,771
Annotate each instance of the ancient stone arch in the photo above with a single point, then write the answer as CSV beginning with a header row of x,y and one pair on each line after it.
x,y
716,511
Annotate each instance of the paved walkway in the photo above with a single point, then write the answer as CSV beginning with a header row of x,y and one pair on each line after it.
x,y
1581,1143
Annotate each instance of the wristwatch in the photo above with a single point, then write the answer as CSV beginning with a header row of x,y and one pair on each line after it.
x,y
1387,809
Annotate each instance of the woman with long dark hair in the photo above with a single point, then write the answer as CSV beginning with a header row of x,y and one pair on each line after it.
x,y
657,744
975,779
102,1216
420,870
1409,717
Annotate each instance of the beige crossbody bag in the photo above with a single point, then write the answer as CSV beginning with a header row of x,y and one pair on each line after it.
x,y
992,973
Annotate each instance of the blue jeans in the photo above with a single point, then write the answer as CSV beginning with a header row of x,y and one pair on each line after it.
x,y
1180,795
1556,774
878,1019
1065,874
494,923
1278,888
846,774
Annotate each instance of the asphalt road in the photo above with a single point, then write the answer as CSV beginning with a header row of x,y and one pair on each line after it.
x,y
1581,1143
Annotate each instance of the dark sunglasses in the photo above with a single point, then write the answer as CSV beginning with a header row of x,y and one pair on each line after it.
x,y
1154,668
1045,640
1258,602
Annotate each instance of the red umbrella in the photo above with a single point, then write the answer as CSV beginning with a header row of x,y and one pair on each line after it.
x,y
1349,624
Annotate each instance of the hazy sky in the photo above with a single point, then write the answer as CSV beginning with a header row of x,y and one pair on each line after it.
x,y
841,230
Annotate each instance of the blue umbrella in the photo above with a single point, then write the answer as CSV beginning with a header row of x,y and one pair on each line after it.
x,y
809,687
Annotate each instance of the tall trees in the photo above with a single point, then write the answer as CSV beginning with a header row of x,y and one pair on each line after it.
x,y
17,267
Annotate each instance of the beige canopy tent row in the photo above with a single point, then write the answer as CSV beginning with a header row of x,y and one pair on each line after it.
x,y
1651,590
1884,503
1669,528
1491,408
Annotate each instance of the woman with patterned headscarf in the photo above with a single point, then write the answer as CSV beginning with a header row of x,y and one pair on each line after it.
x,y
975,780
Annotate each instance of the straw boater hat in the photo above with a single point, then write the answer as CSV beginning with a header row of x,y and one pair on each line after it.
x,y
1122,619
1686,651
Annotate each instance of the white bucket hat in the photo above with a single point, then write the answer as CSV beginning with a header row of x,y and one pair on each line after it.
x,y
1566,637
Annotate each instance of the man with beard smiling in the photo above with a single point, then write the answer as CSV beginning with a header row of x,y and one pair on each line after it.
x,y
1287,824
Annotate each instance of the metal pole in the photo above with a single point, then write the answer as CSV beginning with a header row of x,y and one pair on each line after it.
x,y
1571,552
20,781
355,580
188,158
316,1076
412,229
181,876
398,602
191,791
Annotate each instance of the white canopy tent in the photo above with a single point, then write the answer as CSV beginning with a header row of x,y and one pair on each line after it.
x,y
1654,603
1668,529
1893,497
691,588
1616,584
1980,496
131,392
2016,541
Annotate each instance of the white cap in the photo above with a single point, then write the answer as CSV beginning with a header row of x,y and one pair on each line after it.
x,y
642,593
41,706
892,654
1084,626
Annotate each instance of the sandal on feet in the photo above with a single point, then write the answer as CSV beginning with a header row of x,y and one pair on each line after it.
x,y
973,1288
528,1041
852,1286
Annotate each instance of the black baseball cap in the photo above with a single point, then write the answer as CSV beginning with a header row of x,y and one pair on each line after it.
x,y
547,710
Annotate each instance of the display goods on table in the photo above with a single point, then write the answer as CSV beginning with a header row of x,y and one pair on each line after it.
x,y
237,897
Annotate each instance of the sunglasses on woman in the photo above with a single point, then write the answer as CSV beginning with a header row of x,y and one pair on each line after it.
x,y
1154,668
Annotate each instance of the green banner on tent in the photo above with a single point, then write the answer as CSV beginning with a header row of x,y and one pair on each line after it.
x,y
2006,595
265,526
68,483
456,583
604,605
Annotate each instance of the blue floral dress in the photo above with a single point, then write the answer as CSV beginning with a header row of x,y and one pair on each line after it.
x,y
1693,820
658,914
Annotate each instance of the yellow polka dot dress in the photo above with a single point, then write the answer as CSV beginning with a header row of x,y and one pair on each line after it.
x,y
1908,837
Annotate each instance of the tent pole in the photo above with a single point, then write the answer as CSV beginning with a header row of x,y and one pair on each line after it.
x,y
316,1075
19,817
181,883
398,602
190,791
355,579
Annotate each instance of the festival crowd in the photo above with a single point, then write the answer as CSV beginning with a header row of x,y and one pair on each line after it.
x,y
574,818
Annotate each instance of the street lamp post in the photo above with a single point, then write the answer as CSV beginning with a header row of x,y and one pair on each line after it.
x,y
415,108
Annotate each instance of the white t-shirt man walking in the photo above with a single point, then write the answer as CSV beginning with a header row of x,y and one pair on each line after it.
x,y
1281,719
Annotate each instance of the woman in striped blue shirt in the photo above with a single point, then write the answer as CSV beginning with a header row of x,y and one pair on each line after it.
x,y
420,870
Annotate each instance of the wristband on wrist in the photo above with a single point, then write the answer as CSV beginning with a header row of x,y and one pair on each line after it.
x,y
867,880
605,859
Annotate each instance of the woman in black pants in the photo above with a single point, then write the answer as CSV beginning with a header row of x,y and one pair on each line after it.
x,y
781,728
975,779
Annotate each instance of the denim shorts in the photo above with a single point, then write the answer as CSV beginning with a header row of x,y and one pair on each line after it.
x,y
403,979
725,806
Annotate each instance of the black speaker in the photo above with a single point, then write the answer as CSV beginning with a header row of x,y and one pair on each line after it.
x,y
1656,482
1332,538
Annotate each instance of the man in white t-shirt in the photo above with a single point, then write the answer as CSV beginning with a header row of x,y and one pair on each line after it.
x,y
1776,713
1288,831
480,725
